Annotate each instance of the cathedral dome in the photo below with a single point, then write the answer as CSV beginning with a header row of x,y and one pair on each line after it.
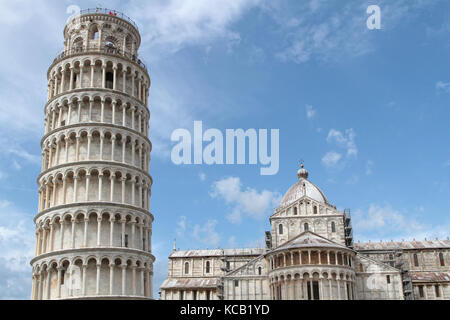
x,y
303,187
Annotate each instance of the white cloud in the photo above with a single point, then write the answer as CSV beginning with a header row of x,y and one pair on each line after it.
x,y
17,242
334,31
207,233
244,202
310,112
169,26
345,140
232,242
385,222
331,159
181,226
443,86
202,176
369,167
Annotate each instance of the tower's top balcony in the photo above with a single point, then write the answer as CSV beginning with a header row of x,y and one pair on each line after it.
x,y
109,12
104,25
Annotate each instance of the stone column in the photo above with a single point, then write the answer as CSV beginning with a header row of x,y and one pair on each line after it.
x,y
102,141
99,231
63,84
64,199
51,236
124,148
141,231
58,290
88,179
124,88
77,149
73,233
83,285
124,278
79,111
92,74
112,178
69,113
111,278
133,232
111,234
41,278
330,277
86,223
97,285
113,146
124,179
133,125
133,191
100,186
113,106
75,188
71,79
91,105
49,275
103,76
133,281
102,112
123,221
81,77
338,287
114,77
61,239
88,156
124,115
142,270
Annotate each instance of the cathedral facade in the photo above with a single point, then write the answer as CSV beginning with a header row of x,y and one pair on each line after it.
x,y
310,255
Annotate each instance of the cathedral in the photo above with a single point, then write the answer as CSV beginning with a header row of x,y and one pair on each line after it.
x,y
310,255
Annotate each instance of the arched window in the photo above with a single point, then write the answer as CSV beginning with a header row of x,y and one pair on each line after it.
x,y
186,268
207,267
280,229
78,44
109,80
333,226
315,209
436,289
259,270
93,32
306,227
441,259
128,43
416,260
295,211
361,268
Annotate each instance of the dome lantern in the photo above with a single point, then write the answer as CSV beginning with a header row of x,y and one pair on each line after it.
x,y
302,173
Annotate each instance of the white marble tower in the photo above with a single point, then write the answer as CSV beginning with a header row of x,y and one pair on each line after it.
x,y
94,225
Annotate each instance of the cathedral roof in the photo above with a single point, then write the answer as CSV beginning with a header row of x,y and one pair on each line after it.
x,y
397,245
309,239
217,252
430,276
303,187
173,283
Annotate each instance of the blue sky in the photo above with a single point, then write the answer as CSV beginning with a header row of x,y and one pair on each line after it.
x,y
367,110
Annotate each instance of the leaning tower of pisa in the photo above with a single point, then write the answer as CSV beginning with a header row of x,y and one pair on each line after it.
x,y
94,225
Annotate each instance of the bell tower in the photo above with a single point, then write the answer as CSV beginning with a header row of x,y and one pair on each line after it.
x,y
94,225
